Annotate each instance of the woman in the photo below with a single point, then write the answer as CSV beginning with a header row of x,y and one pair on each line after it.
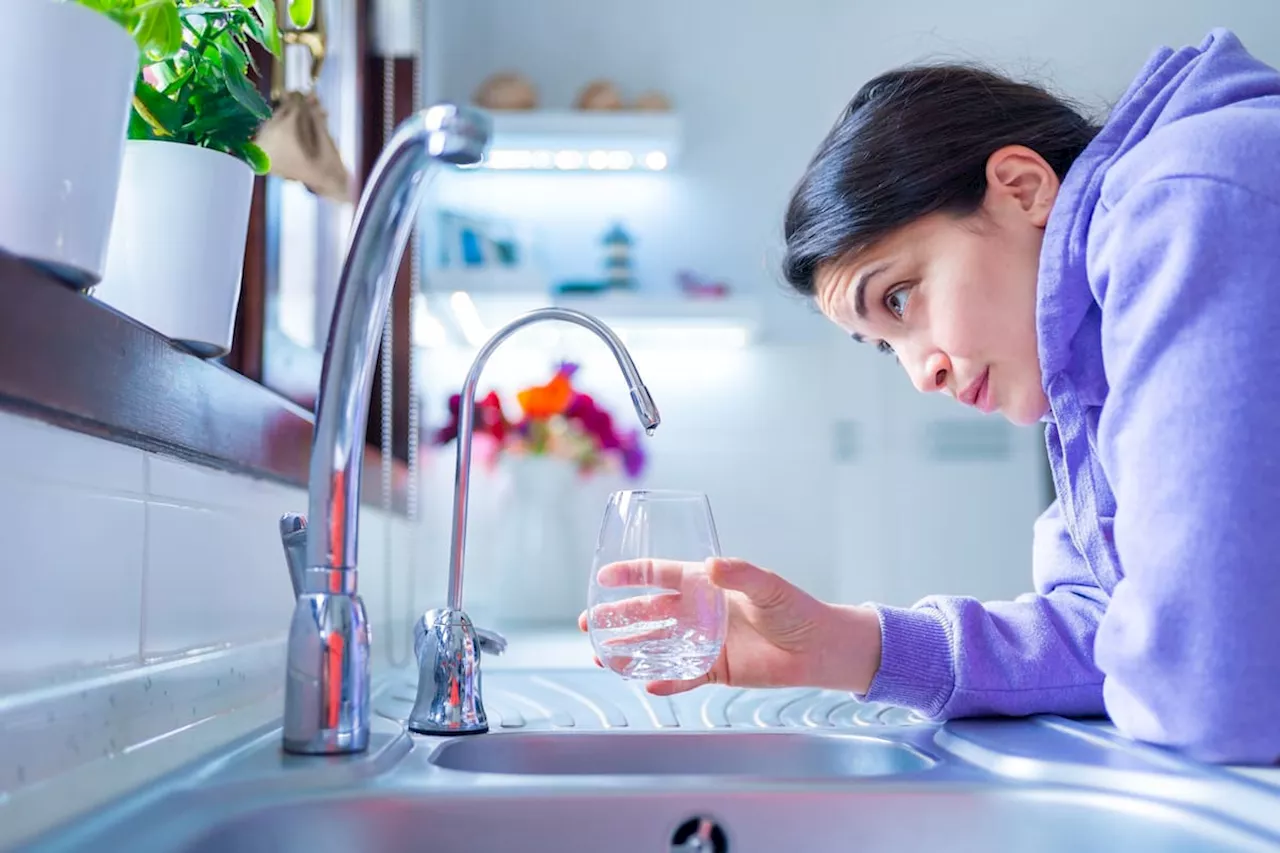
x,y
1120,284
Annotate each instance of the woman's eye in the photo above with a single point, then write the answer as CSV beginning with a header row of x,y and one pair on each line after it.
x,y
884,347
896,301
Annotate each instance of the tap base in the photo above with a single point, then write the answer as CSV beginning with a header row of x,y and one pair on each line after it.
x,y
427,729
330,742
448,653
327,679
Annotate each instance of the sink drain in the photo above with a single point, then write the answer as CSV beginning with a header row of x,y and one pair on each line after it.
x,y
699,835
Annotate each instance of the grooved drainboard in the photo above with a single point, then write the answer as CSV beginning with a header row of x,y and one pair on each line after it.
x,y
589,700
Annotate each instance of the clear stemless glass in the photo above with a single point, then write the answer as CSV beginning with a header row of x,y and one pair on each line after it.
x,y
652,612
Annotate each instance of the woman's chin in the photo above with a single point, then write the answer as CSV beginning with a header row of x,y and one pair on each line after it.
x,y
1026,410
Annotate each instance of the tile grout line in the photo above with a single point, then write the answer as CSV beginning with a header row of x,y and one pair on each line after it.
x,y
146,559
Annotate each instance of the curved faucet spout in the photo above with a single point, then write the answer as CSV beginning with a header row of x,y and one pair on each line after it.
x,y
383,222
646,411
446,643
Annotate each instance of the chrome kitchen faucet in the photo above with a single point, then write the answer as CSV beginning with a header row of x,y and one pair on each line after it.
x,y
326,705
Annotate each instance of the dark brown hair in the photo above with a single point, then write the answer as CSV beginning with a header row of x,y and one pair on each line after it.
x,y
912,142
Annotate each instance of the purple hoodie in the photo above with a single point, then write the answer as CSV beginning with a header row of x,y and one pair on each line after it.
x,y
1157,569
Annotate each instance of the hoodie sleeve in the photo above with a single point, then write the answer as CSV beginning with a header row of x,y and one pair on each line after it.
x,y
952,656
1187,270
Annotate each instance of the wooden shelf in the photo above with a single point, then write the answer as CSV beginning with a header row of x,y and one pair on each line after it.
x,y
71,361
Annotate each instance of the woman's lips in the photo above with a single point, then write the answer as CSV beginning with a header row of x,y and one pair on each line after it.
x,y
978,394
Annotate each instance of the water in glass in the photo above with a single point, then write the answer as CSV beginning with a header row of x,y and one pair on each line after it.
x,y
652,612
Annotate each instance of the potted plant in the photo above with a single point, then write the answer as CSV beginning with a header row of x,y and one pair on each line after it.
x,y
64,114
182,213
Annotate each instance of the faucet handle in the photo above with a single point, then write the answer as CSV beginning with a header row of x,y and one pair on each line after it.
x,y
491,641
293,535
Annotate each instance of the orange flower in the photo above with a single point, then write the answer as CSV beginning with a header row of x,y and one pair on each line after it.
x,y
544,401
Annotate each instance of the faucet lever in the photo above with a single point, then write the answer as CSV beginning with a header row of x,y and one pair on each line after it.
x,y
491,642
293,535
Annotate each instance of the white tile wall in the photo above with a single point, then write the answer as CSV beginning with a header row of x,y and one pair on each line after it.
x,y
212,577
72,573
37,452
116,556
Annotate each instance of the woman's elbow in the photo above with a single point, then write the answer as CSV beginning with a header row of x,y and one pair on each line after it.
x,y
1208,723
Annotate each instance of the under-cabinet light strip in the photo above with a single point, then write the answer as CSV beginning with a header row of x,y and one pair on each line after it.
x,y
571,160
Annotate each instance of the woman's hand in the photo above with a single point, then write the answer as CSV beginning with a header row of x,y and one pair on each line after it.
x,y
778,635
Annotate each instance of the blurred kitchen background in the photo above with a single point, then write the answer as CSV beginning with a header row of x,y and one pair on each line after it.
x,y
643,156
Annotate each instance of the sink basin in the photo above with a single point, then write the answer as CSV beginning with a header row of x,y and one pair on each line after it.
x,y
778,755
1043,820
581,763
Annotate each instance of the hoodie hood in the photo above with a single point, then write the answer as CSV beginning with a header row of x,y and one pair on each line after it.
x,y
1173,86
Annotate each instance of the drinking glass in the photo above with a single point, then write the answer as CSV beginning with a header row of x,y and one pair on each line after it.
x,y
652,612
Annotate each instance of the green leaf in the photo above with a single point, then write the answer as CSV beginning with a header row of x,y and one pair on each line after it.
x,y
120,11
300,12
251,27
138,127
269,34
110,8
256,158
163,115
157,29
175,82
245,93
231,52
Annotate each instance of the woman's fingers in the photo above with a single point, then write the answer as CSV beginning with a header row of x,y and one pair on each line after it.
x,y
763,587
664,574
671,688
629,611
620,665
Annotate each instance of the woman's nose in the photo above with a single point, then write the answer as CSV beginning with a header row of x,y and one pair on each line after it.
x,y
932,374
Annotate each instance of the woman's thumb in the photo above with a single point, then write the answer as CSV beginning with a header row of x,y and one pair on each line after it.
x,y
761,586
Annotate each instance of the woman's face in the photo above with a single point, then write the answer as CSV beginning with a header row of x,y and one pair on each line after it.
x,y
955,298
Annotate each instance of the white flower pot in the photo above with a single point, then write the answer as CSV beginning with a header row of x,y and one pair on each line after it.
x,y
177,246
68,75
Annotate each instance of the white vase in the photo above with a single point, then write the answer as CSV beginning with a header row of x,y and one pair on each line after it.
x,y
540,578
68,75
177,245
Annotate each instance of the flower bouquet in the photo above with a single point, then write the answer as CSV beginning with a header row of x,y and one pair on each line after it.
x,y
556,420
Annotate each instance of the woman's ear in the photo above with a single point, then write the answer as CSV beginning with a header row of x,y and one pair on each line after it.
x,y
1020,181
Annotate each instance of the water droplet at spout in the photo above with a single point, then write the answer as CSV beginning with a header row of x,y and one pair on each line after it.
x,y
649,431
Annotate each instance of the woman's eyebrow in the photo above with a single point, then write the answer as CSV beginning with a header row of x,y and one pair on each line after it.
x,y
860,289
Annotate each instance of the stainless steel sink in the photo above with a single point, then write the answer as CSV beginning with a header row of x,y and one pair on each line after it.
x,y
778,755
582,761
623,821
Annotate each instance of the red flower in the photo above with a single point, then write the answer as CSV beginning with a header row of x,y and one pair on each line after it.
x,y
489,419
594,420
